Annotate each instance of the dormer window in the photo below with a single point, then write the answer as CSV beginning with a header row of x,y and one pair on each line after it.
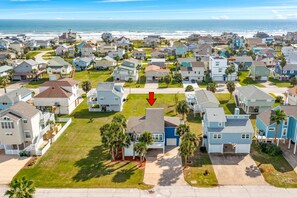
x,y
220,124
25,121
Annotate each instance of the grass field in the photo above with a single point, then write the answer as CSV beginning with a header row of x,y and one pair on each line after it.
x,y
32,54
279,83
244,80
94,76
35,84
77,158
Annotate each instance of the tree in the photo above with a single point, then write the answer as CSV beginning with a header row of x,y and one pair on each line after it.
x,y
187,149
189,88
182,108
21,188
167,79
230,70
231,88
86,86
182,129
293,81
4,81
191,137
141,149
277,117
124,141
146,137
177,78
212,87
119,118
34,72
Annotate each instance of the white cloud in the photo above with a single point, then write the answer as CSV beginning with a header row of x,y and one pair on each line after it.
x,y
220,17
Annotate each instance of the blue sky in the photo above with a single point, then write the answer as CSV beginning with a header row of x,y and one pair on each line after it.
x,y
148,9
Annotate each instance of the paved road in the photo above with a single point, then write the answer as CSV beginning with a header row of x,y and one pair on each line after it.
x,y
182,192
39,59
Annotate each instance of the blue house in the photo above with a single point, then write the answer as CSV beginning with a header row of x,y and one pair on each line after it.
x,y
289,70
287,129
181,50
10,98
163,129
82,63
226,133
81,45
243,61
237,42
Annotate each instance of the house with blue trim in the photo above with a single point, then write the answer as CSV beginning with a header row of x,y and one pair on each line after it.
x,y
82,63
289,70
226,133
243,62
163,129
11,98
237,41
287,129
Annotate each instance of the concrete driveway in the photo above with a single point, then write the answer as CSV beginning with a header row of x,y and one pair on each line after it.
x,y
164,169
10,166
236,169
186,83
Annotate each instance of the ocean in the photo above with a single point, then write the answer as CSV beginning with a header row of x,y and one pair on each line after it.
x,y
137,29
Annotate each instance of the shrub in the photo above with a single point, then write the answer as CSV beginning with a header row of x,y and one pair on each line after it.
x,y
202,149
279,99
270,149
189,88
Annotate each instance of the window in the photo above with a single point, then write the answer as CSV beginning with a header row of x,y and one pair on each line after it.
x,y
158,137
220,69
217,136
245,136
271,129
220,124
25,121
7,125
9,133
217,63
284,132
4,103
285,122
116,98
27,134
101,98
292,71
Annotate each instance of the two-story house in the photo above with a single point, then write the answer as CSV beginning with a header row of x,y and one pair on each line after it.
x,y
61,94
61,49
253,100
226,133
12,97
58,65
195,72
25,70
163,129
288,71
82,63
22,127
104,63
152,41
5,70
87,50
243,62
259,71
107,97
127,70
287,129
119,53
181,50
105,48
292,96
141,55
68,37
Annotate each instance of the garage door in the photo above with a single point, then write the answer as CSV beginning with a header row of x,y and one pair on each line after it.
x,y
171,141
217,148
242,148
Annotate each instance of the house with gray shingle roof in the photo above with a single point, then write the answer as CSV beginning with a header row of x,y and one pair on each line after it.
x,y
226,133
259,71
163,129
107,97
195,72
4,70
287,129
200,100
25,70
11,98
253,100
23,126
58,65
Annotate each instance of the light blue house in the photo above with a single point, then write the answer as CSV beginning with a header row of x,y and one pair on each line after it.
x,y
81,45
226,133
82,63
237,42
181,50
162,128
9,99
287,129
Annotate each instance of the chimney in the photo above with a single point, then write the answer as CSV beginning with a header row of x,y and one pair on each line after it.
x,y
236,111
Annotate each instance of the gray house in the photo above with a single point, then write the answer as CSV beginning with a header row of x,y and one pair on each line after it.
x,y
106,97
253,100
10,98
25,70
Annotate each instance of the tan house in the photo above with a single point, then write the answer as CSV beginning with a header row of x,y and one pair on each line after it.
x,y
292,96
154,72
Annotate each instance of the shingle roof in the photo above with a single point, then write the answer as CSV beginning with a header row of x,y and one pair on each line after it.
x,y
64,82
5,68
293,90
243,58
104,86
180,60
55,90
58,62
24,109
11,96
215,114
204,96
253,92
235,126
197,64
290,66
289,111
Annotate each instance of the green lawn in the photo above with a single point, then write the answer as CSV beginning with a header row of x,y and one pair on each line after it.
x,y
94,76
172,84
32,54
35,84
140,83
78,160
226,102
279,83
276,170
202,84
244,80
195,176
276,103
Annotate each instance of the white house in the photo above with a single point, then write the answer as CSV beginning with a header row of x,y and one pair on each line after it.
x,y
118,53
58,65
87,50
105,48
154,72
217,67
292,96
104,63
194,72
17,46
4,70
61,49
127,70
61,94
107,97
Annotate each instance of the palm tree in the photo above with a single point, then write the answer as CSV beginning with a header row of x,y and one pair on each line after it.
x,y
4,81
191,137
293,81
231,87
21,188
124,141
146,137
183,108
212,87
277,117
86,86
167,79
187,149
134,138
34,72
119,118
141,148
230,70
182,129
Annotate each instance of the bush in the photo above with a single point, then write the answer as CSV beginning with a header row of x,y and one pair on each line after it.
x,y
270,149
189,88
279,99
202,149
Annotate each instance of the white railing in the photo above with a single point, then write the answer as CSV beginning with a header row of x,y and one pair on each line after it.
x,y
12,152
43,151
